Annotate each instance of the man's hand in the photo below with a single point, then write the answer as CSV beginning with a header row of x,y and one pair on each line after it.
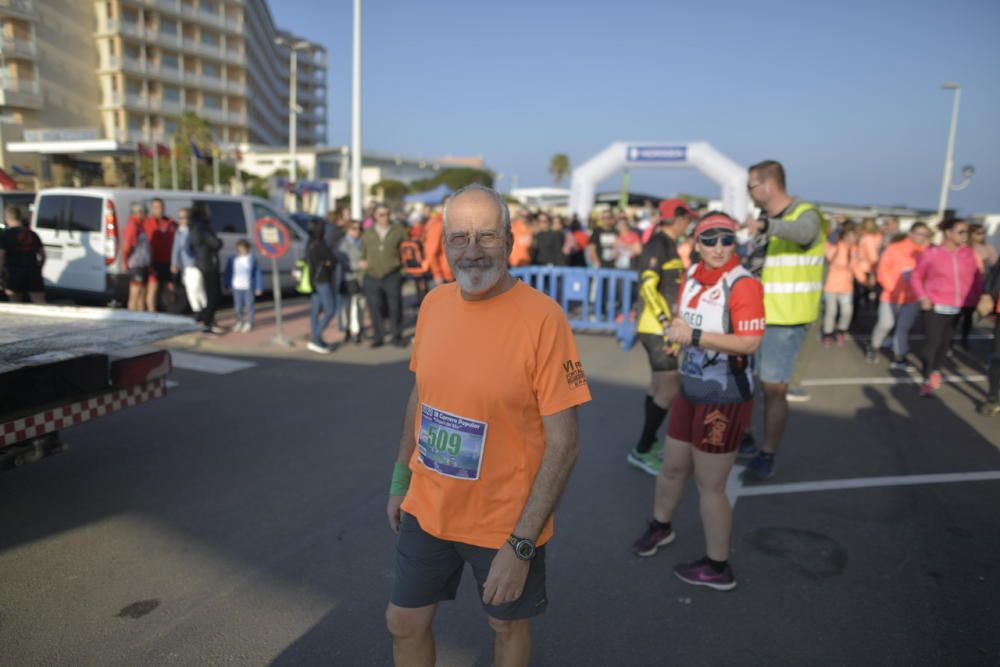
x,y
505,582
926,304
363,264
753,224
258,293
985,305
679,332
393,511
174,269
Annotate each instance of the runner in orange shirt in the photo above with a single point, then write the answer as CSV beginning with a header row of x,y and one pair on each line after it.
x,y
489,438
434,257
846,265
524,237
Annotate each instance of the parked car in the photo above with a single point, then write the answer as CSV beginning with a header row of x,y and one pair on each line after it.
x,y
82,230
24,200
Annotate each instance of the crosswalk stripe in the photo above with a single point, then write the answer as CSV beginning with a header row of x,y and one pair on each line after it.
x,y
206,363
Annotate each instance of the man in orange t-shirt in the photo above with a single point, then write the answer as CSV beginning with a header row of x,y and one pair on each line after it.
x,y
524,239
489,439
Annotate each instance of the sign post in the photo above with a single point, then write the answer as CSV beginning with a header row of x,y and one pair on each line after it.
x,y
272,239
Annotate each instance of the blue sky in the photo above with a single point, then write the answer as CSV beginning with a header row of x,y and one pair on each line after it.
x,y
846,94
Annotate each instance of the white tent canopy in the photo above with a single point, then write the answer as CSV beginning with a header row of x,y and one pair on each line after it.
x,y
730,176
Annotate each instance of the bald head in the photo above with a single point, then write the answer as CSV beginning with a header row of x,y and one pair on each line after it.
x,y
472,199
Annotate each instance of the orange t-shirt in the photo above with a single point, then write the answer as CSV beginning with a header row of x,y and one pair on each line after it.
x,y
520,254
435,260
486,374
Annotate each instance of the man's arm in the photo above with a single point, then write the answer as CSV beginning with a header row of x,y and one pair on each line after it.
x,y
505,582
406,444
802,231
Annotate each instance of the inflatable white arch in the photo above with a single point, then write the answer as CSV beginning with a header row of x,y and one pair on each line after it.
x,y
730,176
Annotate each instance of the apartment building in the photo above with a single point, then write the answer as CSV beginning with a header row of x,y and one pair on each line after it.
x,y
100,76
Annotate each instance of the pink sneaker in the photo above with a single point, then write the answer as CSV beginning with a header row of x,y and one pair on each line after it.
x,y
700,573
934,380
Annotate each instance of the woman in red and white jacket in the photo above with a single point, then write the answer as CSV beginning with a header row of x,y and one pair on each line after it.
x,y
721,325
945,279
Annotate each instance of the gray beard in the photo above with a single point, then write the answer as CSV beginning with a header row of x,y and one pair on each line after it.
x,y
472,283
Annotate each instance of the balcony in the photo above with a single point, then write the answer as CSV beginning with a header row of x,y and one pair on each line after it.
x,y
21,9
175,8
20,93
18,48
222,116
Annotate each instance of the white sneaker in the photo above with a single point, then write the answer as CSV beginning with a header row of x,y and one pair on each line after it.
x,y
247,327
238,327
318,349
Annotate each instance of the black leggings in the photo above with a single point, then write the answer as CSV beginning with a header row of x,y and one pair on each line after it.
x,y
938,328
994,373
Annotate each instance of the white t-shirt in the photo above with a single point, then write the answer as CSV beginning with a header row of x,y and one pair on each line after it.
x,y
241,272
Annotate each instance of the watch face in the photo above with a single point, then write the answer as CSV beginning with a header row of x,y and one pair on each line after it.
x,y
525,550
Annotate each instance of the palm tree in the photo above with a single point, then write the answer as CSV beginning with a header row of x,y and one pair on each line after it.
x,y
559,167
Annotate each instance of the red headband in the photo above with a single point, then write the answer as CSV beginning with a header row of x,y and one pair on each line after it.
x,y
717,221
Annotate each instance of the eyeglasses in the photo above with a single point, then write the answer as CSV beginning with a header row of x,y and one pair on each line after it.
x,y
751,186
710,241
485,240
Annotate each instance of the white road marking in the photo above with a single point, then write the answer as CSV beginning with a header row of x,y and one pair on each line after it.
x,y
173,384
207,363
866,482
902,379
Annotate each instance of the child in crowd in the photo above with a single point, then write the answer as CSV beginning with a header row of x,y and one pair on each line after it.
x,y
244,279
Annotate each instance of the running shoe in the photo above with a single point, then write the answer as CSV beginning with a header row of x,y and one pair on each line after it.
x,y
841,338
318,349
700,573
827,341
871,356
934,380
645,461
748,447
654,538
760,469
990,408
900,365
797,395
247,327
926,390
657,450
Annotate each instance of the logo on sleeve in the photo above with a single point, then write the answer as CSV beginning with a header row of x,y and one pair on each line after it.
x,y
575,376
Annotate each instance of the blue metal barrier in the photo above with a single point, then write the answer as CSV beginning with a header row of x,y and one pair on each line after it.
x,y
593,299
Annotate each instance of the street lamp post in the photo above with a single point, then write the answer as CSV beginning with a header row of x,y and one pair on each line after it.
x,y
293,106
356,204
949,154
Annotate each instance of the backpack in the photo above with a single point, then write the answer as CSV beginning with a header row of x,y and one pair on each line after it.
x,y
412,254
991,284
140,257
304,285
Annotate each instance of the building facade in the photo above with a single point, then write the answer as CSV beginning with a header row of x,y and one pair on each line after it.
x,y
122,71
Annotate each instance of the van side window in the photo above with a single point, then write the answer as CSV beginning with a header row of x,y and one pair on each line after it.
x,y
226,216
85,214
51,212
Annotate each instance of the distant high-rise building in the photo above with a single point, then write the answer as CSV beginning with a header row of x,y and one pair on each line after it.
x,y
116,72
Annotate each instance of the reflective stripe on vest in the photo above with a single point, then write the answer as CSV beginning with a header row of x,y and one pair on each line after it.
x,y
793,276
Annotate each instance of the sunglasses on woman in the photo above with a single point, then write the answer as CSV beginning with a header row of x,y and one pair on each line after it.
x,y
710,241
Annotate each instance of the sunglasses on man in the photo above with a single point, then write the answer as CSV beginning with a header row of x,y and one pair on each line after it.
x,y
710,241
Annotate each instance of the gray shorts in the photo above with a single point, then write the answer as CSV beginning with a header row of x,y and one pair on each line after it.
x,y
428,570
779,351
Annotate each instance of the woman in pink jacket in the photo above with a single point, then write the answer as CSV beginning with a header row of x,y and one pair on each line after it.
x,y
946,278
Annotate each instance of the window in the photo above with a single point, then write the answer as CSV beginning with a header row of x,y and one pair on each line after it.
x,y
209,7
170,126
51,211
168,27
172,93
210,69
169,60
85,214
226,216
209,38
211,101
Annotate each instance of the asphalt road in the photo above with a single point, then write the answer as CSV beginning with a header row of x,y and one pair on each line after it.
x,y
239,521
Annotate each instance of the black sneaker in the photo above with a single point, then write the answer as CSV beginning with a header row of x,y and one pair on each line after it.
x,y
760,469
871,356
654,538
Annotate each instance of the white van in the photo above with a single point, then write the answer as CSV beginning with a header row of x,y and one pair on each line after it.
x,y
82,230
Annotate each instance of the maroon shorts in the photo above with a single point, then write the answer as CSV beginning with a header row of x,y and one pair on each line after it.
x,y
714,428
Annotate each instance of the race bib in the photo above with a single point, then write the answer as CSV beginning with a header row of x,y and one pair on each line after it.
x,y
451,445
946,310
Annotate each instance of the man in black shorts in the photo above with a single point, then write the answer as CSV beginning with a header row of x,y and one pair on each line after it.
x,y
21,259
660,268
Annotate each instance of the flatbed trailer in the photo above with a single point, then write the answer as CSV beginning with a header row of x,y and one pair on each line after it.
x,y
65,365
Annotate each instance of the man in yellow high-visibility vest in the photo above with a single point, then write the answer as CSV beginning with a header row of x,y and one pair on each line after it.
x,y
792,275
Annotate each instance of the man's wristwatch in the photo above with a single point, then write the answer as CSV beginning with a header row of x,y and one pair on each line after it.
x,y
523,547
696,337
